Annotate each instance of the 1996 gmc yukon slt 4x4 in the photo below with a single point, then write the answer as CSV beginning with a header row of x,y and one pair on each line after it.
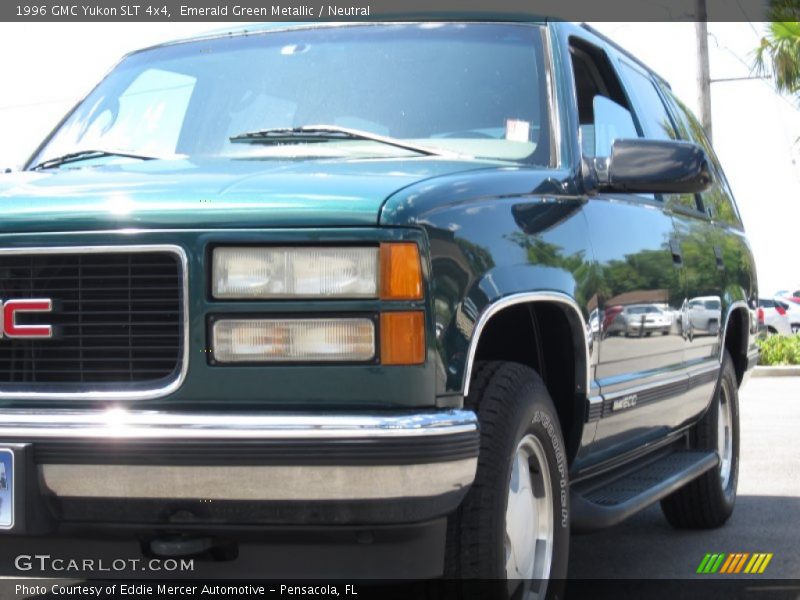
x,y
357,283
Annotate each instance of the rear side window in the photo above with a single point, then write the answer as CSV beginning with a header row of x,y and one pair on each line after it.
x,y
719,198
655,119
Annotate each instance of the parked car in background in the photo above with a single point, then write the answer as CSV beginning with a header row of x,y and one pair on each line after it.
x,y
641,320
788,295
594,321
774,316
704,314
610,315
792,307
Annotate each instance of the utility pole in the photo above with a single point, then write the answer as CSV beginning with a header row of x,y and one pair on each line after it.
x,y
703,74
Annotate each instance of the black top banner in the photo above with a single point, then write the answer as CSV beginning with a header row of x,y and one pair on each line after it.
x,y
385,10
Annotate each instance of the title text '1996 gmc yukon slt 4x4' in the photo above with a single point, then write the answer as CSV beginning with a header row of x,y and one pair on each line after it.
x,y
356,283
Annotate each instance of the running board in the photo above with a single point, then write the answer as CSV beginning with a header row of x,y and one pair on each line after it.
x,y
610,498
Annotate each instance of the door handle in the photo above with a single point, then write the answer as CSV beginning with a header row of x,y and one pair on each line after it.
x,y
677,251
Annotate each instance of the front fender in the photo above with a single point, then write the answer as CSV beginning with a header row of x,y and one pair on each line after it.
x,y
485,250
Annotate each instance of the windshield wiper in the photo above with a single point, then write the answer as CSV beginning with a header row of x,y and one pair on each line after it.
x,y
64,159
329,133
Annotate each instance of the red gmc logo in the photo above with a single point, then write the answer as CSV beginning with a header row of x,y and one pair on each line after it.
x,y
8,323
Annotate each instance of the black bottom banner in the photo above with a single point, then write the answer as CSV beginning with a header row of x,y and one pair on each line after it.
x,y
661,589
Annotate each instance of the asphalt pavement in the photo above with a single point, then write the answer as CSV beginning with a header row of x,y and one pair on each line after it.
x,y
766,517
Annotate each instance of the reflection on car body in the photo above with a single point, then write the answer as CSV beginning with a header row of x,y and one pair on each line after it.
x,y
641,319
704,314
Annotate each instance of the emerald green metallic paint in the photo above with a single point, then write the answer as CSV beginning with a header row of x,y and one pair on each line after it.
x,y
500,232
225,192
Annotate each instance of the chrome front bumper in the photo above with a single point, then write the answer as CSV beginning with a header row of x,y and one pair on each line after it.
x,y
283,458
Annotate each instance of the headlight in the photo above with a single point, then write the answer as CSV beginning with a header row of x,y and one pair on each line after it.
x,y
293,340
287,272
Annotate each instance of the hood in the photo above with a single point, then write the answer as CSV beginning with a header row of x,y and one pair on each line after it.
x,y
220,192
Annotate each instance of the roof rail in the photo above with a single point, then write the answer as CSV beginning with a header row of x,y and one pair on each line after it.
x,y
622,50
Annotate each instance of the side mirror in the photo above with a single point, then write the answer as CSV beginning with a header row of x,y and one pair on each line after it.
x,y
639,166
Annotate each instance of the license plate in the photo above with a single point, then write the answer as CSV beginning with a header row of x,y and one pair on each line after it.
x,y
6,488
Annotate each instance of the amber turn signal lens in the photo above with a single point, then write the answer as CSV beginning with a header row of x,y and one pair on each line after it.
x,y
402,338
401,272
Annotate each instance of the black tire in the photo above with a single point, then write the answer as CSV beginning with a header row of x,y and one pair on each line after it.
x,y
704,503
511,401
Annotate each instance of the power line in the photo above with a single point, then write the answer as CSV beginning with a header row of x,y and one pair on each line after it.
x,y
724,79
749,22
750,69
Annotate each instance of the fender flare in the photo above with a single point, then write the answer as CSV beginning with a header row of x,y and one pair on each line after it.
x,y
582,348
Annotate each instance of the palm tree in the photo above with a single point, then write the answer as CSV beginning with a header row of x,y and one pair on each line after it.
x,y
779,51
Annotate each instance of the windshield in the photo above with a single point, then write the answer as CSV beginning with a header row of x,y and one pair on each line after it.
x,y
475,89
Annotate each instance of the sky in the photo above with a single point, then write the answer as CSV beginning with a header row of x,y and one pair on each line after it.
x,y
755,130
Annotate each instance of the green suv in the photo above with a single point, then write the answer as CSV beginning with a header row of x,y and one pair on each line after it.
x,y
349,288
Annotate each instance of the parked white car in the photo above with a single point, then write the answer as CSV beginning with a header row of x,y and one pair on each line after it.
x,y
774,315
641,320
792,307
794,296
705,313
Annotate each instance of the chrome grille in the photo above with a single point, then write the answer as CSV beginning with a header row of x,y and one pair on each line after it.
x,y
118,319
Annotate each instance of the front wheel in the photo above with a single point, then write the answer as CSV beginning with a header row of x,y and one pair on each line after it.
x,y
514,521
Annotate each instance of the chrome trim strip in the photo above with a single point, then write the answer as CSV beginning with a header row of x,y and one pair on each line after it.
x,y
689,377
686,375
259,483
96,394
522,298
123,424
703,368
643,387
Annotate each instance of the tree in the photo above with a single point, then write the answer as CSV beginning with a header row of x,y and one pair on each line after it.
x,y
779,51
